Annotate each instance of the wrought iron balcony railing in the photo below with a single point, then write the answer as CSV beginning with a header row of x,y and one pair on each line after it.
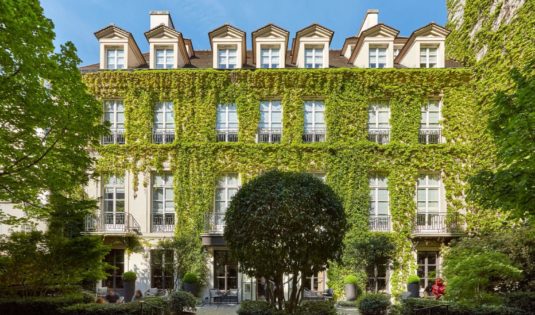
x,y
227,136
437,223
379,223
163,136
214,222
430,136
379,135
111,222
163,223
269,135
115,137
314,135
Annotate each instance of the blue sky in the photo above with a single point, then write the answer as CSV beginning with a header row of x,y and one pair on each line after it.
x,y
77,20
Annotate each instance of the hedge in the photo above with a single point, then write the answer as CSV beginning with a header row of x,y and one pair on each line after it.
x,y
41,305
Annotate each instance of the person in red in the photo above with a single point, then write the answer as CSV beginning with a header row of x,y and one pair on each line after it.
x,y
439,288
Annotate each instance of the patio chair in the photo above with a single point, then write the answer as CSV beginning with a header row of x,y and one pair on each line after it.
x,y
151,292
231,296
215,296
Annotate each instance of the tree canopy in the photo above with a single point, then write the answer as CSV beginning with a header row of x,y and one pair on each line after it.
x,y
47,117
285,223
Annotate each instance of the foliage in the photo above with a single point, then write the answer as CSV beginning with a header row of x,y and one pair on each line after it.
x,y
270,224
373,304
521,300
192,258
351,279
41,305
412,305
495,38
316,308
151,306
48,117
257,308
474,276
180,301
413,279
197,160
190,277
61,256
129,276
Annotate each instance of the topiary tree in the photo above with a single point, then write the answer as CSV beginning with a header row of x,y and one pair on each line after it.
x,y
285,223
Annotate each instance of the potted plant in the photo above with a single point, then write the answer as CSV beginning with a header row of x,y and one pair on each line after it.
x,y
413,286
129,283
350,288
190,282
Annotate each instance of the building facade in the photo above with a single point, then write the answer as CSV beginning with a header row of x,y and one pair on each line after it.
x,y
386,121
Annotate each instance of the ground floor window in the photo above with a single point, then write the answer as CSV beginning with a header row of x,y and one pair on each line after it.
x,y
115,258
162,269
225,271
312,282
377,277
428,267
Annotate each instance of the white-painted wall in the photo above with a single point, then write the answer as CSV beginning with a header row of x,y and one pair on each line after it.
x,y
412,57
272,42
228,41
362,58
312,41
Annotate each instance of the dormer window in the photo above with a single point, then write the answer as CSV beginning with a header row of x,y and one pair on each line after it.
x,y
313,57
377,57
428,57
270,57
115,58
164,58
226,57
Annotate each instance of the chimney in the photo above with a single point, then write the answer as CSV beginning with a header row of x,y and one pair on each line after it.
x,y
371,19
158,18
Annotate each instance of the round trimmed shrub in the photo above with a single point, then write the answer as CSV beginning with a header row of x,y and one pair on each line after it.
x,y
413,279
256,308
351,279
182,301
316,308
374,304
129,276
191,278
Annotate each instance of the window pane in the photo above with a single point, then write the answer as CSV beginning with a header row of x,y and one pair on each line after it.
x,y
421,195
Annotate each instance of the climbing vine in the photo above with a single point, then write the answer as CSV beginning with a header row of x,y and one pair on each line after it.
x,y
347,157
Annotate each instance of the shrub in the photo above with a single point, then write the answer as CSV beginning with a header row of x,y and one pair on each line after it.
x,y
316,308
181,301
521,300
257,308
190,277
412,305
413,279
40,305
373,304
351,279
151,305
129,276
347,303
456,309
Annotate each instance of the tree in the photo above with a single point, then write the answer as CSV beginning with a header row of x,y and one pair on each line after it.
x,y
47,117
284,223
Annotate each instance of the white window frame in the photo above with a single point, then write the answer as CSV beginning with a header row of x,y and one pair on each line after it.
x,y
116,185
165,211
115,114
223,127
426,53
224,55
167,133
168,52
427,187
425,279
317,107
266,127
375,128
227,188
316,53
115,57
272,52
374,52
375,187
424,122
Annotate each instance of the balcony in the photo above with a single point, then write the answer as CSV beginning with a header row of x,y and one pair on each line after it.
x,y
379,223
379,135
163,136
111,223
430,136
115,137
227,136
214,226
268,135
162,223
437,224
314,135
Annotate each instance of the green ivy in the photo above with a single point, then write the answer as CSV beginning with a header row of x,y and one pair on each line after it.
x,y
347,157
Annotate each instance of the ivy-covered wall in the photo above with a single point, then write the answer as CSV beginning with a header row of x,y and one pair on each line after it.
x,y
347,157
